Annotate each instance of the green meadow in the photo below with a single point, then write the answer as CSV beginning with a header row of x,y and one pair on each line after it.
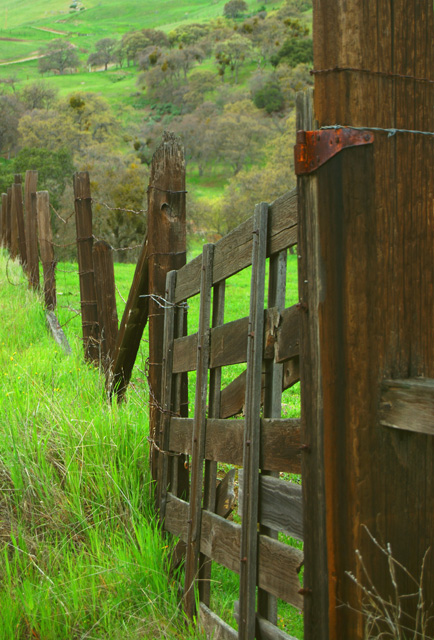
x,y
82,555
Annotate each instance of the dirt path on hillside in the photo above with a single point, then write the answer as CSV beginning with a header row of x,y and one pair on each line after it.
x,y
33,57
60,33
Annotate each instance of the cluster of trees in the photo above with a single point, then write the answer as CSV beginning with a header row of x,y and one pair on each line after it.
x,y
227,87
58,136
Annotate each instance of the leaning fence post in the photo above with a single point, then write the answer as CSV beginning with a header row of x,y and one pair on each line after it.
x,y
31,228
106,297
167,251
46,248
83,219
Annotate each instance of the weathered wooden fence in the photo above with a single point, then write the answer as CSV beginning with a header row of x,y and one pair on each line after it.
x,y
261,443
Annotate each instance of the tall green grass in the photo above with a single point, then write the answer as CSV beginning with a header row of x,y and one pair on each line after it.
x,y
81,554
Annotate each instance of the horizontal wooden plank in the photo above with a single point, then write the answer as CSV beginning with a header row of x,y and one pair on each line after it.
x,y
408,404
229,341
288,335
214,626
265,630
233,395
185,354
234,252
280,504
280,442
279,564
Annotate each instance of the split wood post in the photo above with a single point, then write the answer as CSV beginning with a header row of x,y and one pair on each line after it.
x,y
267,604
210,484
131,329
106,298
252,434
199,432
3,220
167,251
19,212
46,248
8,218
89,311
14,216
31,226
368,292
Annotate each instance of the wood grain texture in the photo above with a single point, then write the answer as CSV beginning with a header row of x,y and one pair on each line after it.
x,y
83,221
30,187
220,540
280,442
46,249
214,626
106,299
199,432
264,629
229,341
166,395
280,504
252,428
310,292
234,252
132,325
408,405
375,229
19,211
166,251
8,217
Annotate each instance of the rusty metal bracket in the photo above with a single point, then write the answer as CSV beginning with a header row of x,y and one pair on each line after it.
x,y
314,148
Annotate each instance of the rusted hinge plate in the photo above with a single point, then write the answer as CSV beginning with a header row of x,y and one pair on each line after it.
x,y
314,148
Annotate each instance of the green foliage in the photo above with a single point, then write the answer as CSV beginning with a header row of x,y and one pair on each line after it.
x,y
235,8
269,97
58,55
294,51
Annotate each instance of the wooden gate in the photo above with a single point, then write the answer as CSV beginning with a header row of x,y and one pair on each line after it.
x,y
260,442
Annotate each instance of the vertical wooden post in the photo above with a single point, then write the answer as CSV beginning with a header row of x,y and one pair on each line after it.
x,y
249,530
106,298
210,485
46,248
199,432
315,572
31,227
89,311
15,197
19,214
3,220
368,296
167,250
267,604
8,218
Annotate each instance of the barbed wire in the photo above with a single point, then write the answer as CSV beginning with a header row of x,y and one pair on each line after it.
x,y
107,206
65,221
163,303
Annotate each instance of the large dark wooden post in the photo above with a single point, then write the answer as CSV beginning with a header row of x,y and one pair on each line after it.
x,y
167,251
106,297
31,225
46,248
83,219
366,251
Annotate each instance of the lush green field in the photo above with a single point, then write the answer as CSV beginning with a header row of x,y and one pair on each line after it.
x,y
81,554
